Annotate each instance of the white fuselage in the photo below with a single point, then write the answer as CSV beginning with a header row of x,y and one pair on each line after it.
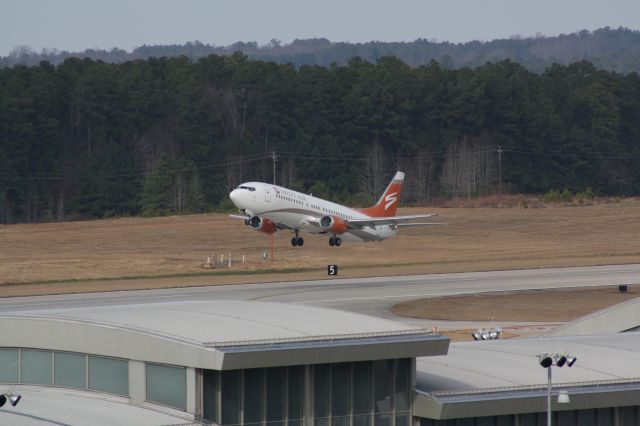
x,y
299,211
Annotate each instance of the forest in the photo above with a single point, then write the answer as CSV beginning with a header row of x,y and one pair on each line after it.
x,y
607,48
90,139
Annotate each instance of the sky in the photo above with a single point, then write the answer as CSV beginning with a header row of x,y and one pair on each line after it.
x,y
76,25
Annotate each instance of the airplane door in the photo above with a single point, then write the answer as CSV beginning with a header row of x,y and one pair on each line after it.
x,y
267,194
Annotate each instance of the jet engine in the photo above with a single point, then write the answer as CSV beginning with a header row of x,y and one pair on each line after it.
x,y
260,224
333,224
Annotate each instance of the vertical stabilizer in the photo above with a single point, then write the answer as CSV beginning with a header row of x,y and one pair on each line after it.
x,y
388,202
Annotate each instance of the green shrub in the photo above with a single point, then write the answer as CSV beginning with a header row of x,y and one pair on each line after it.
x,y
554,196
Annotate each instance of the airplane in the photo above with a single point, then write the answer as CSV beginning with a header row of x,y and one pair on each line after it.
x,y
268,208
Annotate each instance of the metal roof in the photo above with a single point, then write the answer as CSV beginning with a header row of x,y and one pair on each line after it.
x,y
479,378
513,362
613,319
41,406
218,323
218,334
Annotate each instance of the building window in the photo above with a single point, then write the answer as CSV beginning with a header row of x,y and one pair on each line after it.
x,y
321,391
36,367
296,395
231,401
362,385
70,370
109,375
9,363
276,379
253,385
382,376
403,385
340,384
167,385
365,393
210,387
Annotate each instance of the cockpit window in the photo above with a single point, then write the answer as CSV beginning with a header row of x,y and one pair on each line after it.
x,y
250,188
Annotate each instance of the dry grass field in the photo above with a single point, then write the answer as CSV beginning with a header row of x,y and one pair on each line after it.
x,y
542,306
476,239
556,306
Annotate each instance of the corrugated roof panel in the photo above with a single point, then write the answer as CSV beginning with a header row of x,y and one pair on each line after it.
x,y
514,363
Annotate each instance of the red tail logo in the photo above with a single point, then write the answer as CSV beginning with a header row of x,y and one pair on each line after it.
x,y
388,202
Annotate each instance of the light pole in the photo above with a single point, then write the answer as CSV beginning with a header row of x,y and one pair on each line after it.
x,y
547,360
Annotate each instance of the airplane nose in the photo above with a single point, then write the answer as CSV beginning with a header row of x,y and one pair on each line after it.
x,y
235,197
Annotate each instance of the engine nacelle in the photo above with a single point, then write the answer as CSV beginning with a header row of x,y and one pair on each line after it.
x,y
261,224
333,224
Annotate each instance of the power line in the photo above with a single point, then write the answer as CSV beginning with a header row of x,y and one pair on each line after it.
x,y
241,159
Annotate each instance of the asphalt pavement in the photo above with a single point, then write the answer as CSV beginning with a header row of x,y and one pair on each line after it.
x,y
372,296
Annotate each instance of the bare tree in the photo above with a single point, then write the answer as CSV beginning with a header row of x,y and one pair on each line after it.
x,y
234,169
469,167
420,174
288,173
372,180
232,109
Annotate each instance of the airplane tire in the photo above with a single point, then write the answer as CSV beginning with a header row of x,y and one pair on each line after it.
x,y
338,241
300,242
331,242
294,241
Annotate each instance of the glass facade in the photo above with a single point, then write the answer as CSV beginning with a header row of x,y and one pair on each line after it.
x,y
42,367
36,367
109,375
9,366
343,394
167,385
70,370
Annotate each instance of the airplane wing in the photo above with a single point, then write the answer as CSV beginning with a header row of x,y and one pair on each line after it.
x,y
393,220
279,225
421,224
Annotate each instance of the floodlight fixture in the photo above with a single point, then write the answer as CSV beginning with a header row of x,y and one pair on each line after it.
x,y
14,399
11,397
560,360
487,334
545,360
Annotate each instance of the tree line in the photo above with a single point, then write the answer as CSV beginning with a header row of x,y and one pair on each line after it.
x,y
611,49
89,139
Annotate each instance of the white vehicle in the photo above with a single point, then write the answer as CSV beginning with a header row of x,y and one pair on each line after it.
x,y
267,208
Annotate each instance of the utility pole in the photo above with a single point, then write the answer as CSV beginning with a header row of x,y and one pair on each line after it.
x,y
549,396
500,169
274,157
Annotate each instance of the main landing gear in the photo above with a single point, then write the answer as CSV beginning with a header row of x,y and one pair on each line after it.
x,y
335,241
297,241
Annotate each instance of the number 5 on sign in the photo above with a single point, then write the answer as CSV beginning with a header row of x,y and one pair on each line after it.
x,y
332,269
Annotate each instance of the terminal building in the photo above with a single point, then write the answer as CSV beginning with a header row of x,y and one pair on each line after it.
x,y
259,363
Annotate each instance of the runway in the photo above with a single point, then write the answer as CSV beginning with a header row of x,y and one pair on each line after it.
x,y
372,296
